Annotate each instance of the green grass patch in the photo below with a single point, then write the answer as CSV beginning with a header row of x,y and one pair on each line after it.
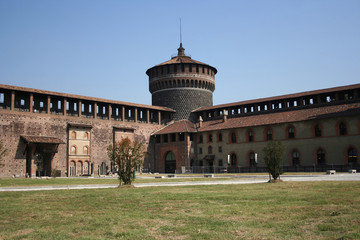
x,y
287,210
16,182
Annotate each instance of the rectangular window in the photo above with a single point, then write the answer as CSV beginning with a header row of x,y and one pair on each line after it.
x,y
181,137
220,149
165,138
220,162
200,150
173,137
158,137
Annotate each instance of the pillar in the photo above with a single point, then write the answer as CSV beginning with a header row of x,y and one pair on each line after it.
x,y
48,105
95,110
109,111
31,103
12,106
123,113
159,117
64,107
147,116
135,115
79,108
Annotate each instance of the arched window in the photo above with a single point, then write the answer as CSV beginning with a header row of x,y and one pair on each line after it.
x,y
342,128
86,135
291,132
86,150
295,157
210,150
320,156
233,137
73,135
200,138
170,162
252,159
210,138
220,137
233,160
269,134
317,130
250,136
73,149
352,155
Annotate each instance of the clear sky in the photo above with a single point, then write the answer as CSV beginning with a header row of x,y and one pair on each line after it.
x,y
261,48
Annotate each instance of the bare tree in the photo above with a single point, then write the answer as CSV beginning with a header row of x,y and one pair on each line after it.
x,y
128,156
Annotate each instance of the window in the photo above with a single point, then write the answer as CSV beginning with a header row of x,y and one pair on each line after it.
x,y
173,137
352,155
220,162
233,137
295,157
191,137
200,150
86,150
320,156
233,159
220,149
86,135
165,138
210,150
252,159
220,137
181,137
158,137
291,132
342,128
210,138
317,131
269,134
73,135
200,138
250,136
73,150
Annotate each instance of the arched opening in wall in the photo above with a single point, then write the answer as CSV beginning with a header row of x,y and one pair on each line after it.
x,y
252,159
290,132
196,83
342,129
73,150
79,168
103,169
73,135
170,162
269,134
317,130
320,157
233,160
250,135
86,150
232,137
86,135
187,83
86,168
72,168
352,156
295,158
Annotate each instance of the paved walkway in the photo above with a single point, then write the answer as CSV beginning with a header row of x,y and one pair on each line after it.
x,y
170,182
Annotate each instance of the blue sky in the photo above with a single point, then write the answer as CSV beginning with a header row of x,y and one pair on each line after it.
x,y
261,48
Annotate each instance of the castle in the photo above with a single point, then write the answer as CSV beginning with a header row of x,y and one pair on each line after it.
x,y
49,133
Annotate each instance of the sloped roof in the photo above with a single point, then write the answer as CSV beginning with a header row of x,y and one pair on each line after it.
x,y
85,98
176,127
281,117
281,97
42,139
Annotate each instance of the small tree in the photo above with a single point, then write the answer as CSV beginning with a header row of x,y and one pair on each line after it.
x,y
3,152
128,156
273,154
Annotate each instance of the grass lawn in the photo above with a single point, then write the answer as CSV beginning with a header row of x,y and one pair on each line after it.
x,y
287,210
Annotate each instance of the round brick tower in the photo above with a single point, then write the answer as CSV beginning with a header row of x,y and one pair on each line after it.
x,y
182,84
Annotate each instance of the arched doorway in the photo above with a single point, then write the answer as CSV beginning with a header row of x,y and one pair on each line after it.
x,y
170,162
72,168
352,156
